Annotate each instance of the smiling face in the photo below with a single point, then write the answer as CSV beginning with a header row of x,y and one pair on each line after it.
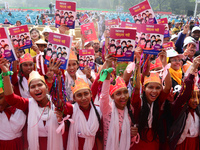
x,y
175,63
34,35
27,68
120,98
83,98
72,68
152,91
38,90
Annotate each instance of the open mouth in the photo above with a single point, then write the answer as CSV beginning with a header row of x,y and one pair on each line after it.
x,y
39,94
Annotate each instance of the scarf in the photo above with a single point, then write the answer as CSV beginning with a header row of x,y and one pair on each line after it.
x,y
113,142
54,141
82,128
176,75
24,92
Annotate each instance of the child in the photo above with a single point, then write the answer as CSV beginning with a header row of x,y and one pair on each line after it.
x,y
83,133
42,122
184,133
118,118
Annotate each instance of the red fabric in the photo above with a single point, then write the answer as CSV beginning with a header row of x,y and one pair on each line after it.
x,y
68,110
15,83
189,144
15,144
43,143
9,111
95,87
144,145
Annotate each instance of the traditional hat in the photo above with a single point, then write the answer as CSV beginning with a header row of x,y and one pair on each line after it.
x,y
79,85
72,56
25,58
40,41
118,85
153,77
157,64
35,75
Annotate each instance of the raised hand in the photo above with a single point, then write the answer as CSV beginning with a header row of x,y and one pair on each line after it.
x,y
163,57
4,65
63,28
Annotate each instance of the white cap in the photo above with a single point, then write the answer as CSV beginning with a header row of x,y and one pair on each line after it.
x,y
40,41
47,29
189,40
173,53
195,29
173,37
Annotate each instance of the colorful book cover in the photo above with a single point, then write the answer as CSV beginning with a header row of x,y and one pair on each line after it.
x,y
65,14
84,19
150,37
112,23
58,47
88,31
20,36
143,13
6,47
122,43
86,58
120,68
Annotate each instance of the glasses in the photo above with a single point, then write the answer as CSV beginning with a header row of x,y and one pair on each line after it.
x,y
176,60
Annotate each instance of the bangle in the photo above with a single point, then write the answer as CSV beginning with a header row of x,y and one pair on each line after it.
x,y
7,73
90,78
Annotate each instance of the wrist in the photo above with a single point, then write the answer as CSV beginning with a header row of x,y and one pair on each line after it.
x,y
8,73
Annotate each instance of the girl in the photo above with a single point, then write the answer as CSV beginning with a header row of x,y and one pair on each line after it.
x,y
147,109
83,133
12,121
42,122
184,134
118,118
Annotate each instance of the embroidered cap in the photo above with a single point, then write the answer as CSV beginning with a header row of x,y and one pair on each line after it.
x,y
118,85
80,84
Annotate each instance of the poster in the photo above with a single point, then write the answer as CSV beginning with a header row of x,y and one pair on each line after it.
x,y
168,46
20,36
151,38
164,21
84,19
6,47
143,13
86,58
112,23
88,31
122,43
120,68
59,46
65,14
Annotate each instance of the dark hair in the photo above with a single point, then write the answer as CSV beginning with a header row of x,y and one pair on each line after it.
x,y
123,42
143,118
112,45
147,42
117,49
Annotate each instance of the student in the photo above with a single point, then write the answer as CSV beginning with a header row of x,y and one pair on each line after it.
x,y
83,133
147,108
118,121
184,133
12,121
42,122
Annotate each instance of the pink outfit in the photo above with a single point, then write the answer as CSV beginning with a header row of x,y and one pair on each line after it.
x,y
106,109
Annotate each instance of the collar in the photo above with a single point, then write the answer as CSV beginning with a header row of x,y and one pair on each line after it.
x,y
9,111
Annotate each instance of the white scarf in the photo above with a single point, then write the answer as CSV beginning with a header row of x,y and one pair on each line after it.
x,y
68,83
82,128
24,92
113,142
54,140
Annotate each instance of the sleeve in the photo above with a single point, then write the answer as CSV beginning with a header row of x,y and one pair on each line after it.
x,y
104,98
183,96
136,103
17,101
95,85
179,43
